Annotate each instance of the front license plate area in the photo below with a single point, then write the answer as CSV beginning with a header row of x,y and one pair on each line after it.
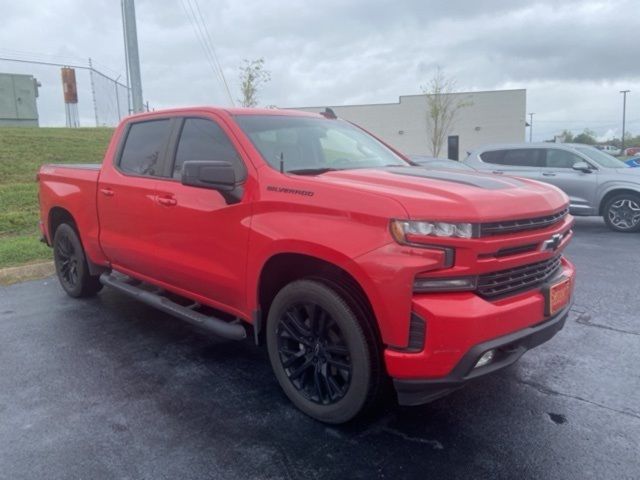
x,y
557,296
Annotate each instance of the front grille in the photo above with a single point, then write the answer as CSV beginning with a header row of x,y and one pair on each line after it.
x,y
511,226
518,279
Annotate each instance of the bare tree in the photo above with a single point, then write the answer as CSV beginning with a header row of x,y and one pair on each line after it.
x,y
252,76
442,109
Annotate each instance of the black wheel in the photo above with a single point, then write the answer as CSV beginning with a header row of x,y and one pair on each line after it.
x,y
71,264
622,213
320,352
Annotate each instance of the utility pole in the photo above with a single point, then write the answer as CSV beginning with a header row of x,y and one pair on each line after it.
x,y
531,127
131,54
624,114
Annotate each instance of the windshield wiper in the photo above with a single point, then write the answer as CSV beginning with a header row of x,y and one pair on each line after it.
x,y
312,171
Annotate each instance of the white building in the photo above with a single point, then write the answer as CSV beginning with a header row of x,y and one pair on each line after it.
x,y
490,117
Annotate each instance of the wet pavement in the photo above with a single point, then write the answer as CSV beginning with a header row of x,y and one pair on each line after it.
x,y
109,388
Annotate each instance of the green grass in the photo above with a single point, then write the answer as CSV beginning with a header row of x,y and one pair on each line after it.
x,y
22,151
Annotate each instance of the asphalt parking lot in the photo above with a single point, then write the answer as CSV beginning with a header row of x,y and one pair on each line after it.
x,y
109,388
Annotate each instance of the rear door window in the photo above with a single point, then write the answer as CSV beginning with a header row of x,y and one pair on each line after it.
x,y
517,157
144,148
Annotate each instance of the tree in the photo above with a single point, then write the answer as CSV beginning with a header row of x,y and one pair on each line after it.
x,y
442,109
252,76
567,136
587,137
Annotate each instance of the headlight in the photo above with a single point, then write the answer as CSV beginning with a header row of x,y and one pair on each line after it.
x,y
402,229
453,284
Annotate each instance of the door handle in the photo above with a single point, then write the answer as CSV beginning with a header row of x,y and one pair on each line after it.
x,y
167,201
548,174
107,192
497,172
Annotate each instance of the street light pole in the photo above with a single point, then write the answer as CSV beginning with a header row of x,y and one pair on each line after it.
x,y
624,114
531,126
131,53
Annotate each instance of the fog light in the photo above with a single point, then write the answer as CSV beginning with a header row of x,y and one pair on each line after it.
x,y
485,359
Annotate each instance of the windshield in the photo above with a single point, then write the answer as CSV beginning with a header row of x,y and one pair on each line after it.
x,y
314,145
601,158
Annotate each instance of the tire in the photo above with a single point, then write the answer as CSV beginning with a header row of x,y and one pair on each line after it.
x,y
622,212
321,354
71,264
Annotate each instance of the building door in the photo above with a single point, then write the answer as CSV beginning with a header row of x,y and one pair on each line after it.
x,y
453,147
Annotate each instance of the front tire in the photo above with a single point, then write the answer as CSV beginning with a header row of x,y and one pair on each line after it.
x,y
71,264
622,212
320,354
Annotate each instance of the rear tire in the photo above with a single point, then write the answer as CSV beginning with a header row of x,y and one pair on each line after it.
x,y
622,212
320,352
71,264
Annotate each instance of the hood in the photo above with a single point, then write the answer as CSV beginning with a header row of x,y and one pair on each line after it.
x,y
455,195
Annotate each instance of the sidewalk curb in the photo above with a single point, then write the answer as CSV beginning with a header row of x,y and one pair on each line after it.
x,y
22,273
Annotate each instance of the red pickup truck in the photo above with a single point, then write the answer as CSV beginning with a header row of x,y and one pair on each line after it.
x,y
311,235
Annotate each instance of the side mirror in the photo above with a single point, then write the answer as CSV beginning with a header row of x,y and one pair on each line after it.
x,y
213,175
582,167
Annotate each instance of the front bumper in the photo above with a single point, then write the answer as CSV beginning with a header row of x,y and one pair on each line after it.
x,y
509,349
460,327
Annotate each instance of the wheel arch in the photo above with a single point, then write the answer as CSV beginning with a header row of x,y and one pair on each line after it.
x,y
613,192
285,267
59,215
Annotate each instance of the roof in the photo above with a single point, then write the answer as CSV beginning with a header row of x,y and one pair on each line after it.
x,y
227,110
532,145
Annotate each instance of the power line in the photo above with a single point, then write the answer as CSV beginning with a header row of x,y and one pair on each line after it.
x,y
206,46
213,50
196,29
56,64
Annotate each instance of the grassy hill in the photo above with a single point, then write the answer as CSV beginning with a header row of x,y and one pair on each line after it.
x,y
22,151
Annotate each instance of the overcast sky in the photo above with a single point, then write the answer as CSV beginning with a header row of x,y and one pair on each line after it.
x,y
573,57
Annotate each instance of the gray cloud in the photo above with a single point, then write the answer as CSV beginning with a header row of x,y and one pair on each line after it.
x,y
572,57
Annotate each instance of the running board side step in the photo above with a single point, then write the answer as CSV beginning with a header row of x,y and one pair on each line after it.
x,y
233,331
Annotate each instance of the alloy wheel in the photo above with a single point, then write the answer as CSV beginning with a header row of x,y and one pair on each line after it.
x,y
67,261
624,214
313,353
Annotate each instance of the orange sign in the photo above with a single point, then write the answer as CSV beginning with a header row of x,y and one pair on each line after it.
x,y
69,86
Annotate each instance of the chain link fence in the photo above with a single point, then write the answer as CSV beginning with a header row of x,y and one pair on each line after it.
x,y
102,99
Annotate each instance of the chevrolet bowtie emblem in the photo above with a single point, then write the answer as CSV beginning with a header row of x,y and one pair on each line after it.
x,y
551,244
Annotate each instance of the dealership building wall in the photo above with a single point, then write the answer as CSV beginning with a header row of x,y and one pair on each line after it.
x,y
491,117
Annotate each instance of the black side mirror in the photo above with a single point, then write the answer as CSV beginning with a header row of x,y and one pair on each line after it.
x,y
219,176
582,167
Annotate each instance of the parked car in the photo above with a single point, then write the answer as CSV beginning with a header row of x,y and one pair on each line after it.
x,y
632,151
438,163
633,161
596,182
610,149
320,240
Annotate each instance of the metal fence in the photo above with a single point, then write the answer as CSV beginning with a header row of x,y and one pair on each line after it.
x,y
102,99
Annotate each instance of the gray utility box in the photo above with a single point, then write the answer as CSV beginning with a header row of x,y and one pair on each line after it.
x,y
18,95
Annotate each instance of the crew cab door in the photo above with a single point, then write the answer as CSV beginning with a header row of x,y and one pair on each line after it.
x,y
126,197
580,186
201,237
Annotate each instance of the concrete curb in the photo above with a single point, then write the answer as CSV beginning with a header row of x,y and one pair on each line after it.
x,y
26,272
